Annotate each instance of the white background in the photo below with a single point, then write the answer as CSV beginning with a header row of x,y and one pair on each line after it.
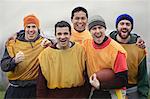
x,y
49,12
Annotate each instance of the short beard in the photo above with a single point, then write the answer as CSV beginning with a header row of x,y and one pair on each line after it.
x,y
124,37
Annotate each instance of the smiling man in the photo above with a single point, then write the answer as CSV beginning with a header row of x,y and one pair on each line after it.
x,y
79,19
62,67
104,53
63,37
138,86
20,60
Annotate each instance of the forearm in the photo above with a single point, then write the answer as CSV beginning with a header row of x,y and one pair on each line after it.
x,y
7,63
143,85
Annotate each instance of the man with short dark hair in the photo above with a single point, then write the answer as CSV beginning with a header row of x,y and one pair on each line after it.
x,y
62,67
79,19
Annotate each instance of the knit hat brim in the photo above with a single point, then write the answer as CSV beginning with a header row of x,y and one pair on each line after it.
x,y
96,20
97,23
31,19
124,17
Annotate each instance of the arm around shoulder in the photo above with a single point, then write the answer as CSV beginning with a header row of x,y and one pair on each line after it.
x,y
7,62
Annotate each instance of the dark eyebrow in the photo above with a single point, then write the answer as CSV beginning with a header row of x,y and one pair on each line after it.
x,y
66,33
59,33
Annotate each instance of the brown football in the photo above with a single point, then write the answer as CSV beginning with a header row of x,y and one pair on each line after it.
x,y
105,75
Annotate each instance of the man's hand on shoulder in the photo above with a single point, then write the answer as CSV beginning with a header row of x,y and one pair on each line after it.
x,y
140,43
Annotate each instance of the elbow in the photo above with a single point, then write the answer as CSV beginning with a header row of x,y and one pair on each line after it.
x,y
4,68
124,82
8,65
122,79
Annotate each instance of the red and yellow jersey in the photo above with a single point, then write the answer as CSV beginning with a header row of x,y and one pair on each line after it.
x,y
108,55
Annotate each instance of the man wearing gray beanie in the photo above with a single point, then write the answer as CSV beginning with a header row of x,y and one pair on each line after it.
x,y
104,55
137,87
96,20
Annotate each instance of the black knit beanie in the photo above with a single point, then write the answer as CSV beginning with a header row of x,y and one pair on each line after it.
x,y
124,17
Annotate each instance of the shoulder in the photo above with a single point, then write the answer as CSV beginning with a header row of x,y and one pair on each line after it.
x,y
10,43
79,46
140,50
46,51
133,38
113,34
116,46
87,41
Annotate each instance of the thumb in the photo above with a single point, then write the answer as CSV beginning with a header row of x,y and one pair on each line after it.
x,y
94,76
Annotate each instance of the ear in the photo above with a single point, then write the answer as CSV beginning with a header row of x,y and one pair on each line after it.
x,y
71,20
39,31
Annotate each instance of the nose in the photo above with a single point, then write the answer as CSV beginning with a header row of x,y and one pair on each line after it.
x,y
31,29
80,20
124,26
62,36
97,30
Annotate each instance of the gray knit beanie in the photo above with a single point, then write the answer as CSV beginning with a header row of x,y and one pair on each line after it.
x,y
96,20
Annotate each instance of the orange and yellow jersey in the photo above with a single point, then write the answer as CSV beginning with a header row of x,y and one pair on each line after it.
x,y
80,37
110,54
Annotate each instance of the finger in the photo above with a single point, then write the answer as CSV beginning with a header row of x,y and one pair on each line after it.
x,y
142,46
20,52
20,59
20,55
94,76
91,81
47,42
141,43
44,40
90,78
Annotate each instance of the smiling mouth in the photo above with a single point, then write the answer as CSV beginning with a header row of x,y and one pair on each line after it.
x,y
124,30
80,25
31,33
63,40
98,35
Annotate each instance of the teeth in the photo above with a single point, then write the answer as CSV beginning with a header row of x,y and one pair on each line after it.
x,y
31,33
124,31
80,25
62,40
